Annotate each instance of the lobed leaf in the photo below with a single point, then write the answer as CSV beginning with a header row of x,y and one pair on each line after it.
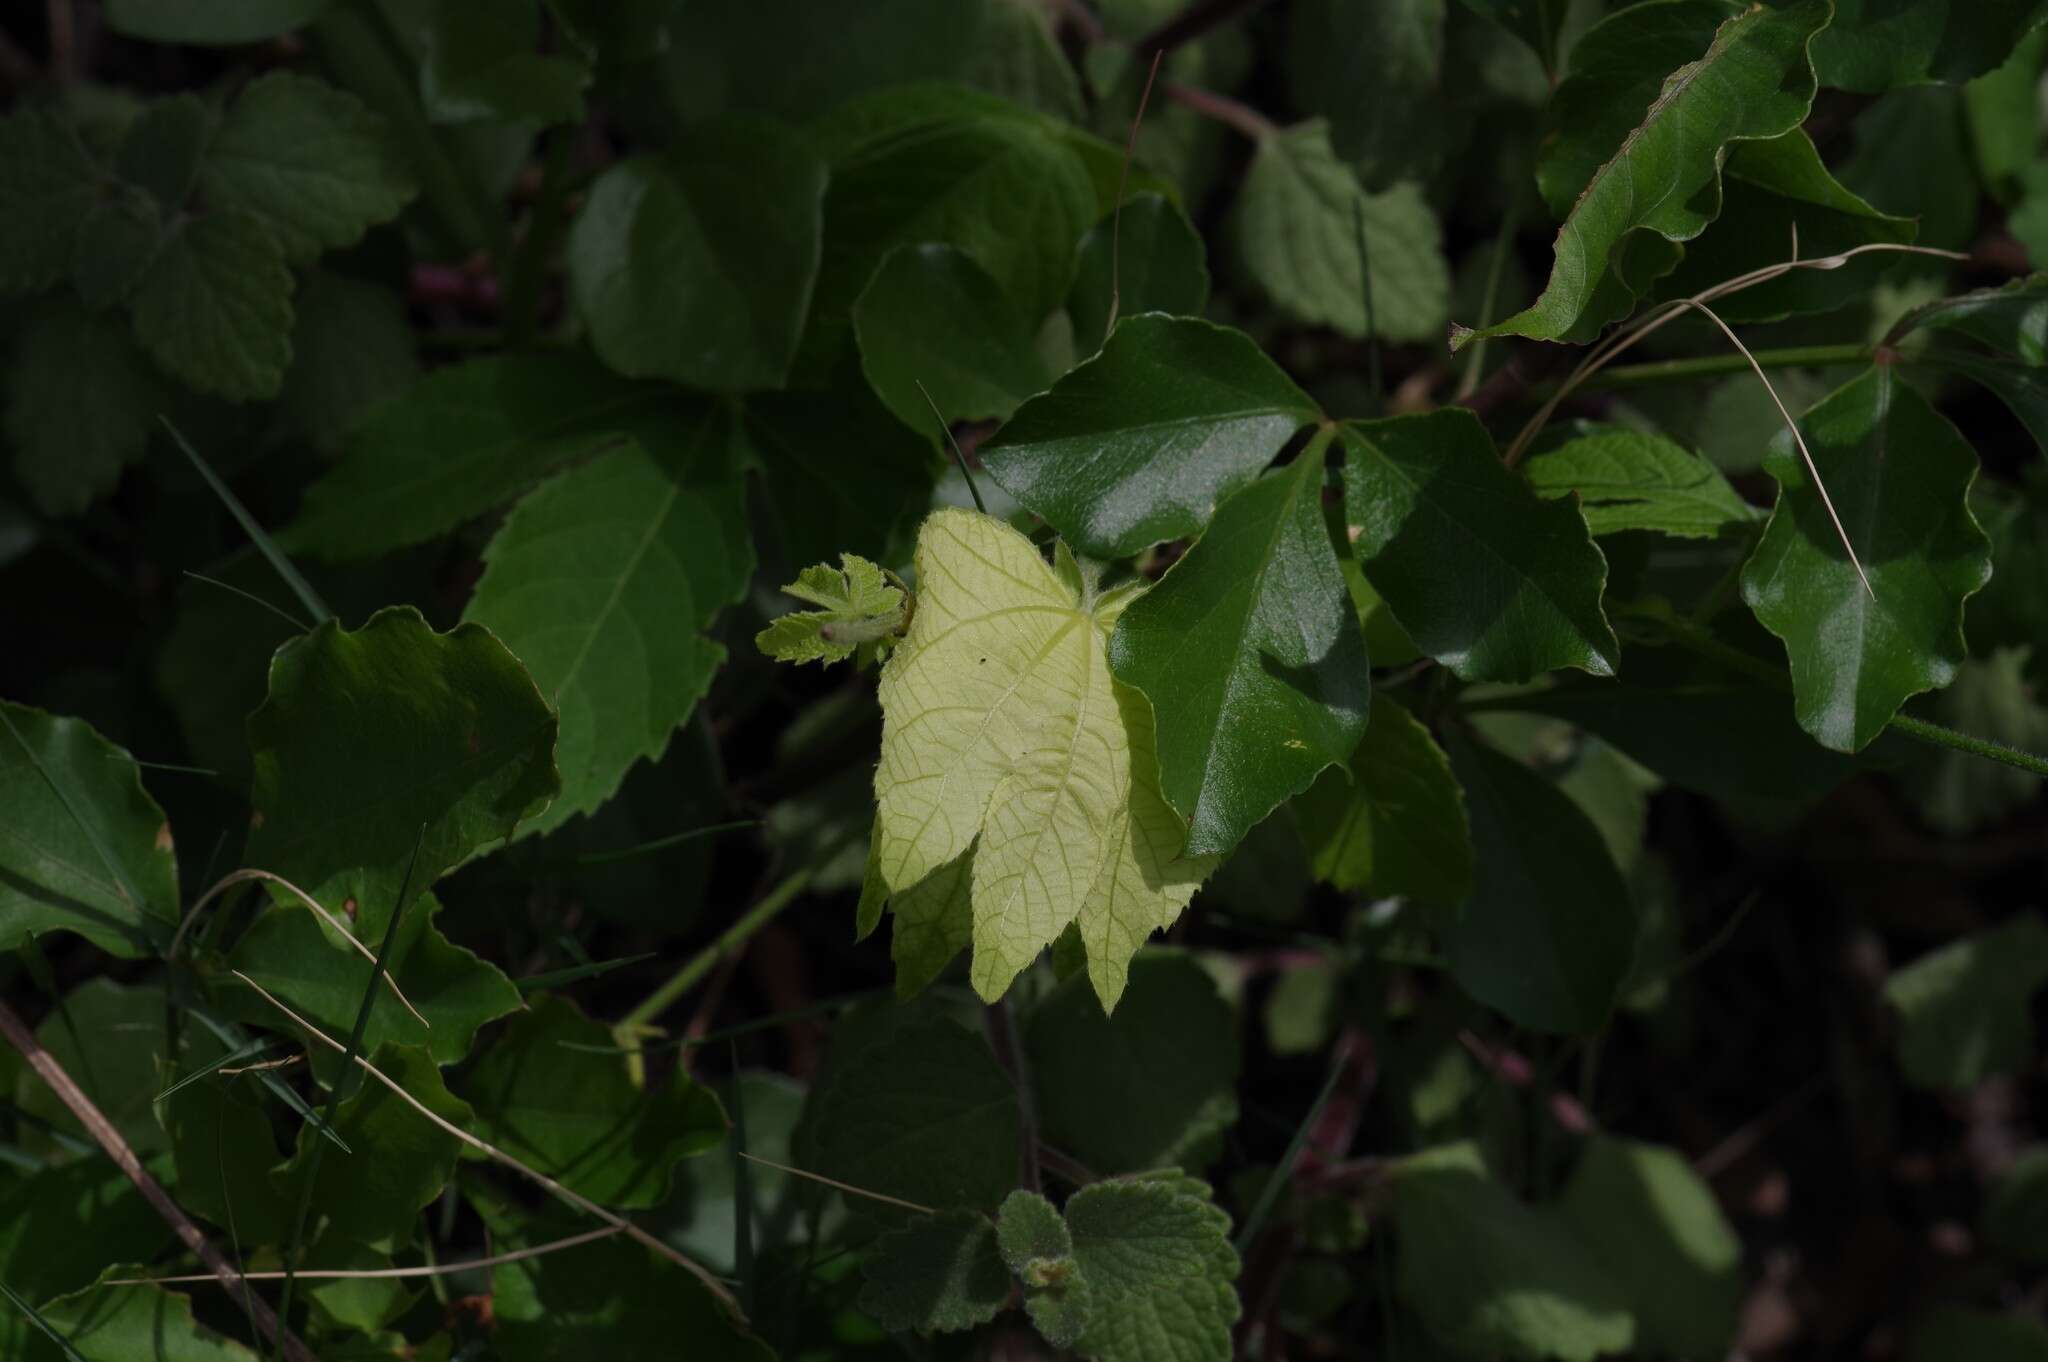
x,y
1633,480
856,600
1156,1255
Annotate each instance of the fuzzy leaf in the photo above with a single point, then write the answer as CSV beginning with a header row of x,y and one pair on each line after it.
x,y
1965,1009
603,581
1143,441
1251,656
1633,480
1487,577
95,859
372,735
1001,721
1899,477
936,1273
1037,1248
1156,1255
1753,81
1397,825
1300,219
308,161
215,308
860,607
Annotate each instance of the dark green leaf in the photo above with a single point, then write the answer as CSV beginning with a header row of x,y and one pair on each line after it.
x,y
1950,1331
1151,1086
933,921
461,442
697,265
296,957
1038,1249
1316,242
57,1226
401,1160
578,1117
1990,699
1486,576
1535,22
1965,1010
932,316
2011,323
1018,56
215,308
2016,1212
161,152
390,741
924,1114
482,63
122,1323
81,403
2005,116
1152,260
1633,480
1752,82
1899,477
48,187
935,1273
805,444
1878,45
1371,68
222,1140
83,847
1547,936
116,244
1397,825
1650,1222
352,348
602,580
1251,656
308,161
110,1038
1140,443
1493,1277
1156,1255
2012,610
1913,158
174,21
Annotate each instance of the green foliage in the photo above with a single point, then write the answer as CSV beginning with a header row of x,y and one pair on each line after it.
x,y
938,1272
1156,1255
1629,480
1397,825
1963,1009
933,319
860,613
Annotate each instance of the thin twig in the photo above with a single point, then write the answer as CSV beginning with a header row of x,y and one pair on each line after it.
x,y
846,1187
1223,109
497,1155
1123,179
103,1133
383,1273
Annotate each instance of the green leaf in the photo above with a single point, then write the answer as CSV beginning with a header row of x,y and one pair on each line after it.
x,y
611,1298
352,349
1156,1255
1371,68
462,441
1153,1086
1634,480
1493,1277
1770,190
1990,698
215,308
1752,82
1650,1222
121,1323
390,741
56,1227
2005,116
933,922
1547,937
860,607
1965,1009
1039,1251
2016,1212
2011,324
1143,441
308,161
222,1140
1878,45
935,1273
401,1160
482,64
932,316
579,1117
954,167
1913,158
2012,610
1397,825
1950,1331
304,962
804,444
718,237
602,582
1250,654
1300,218
1019,58
116,244
1899,477
110,1038
1487,577
161,150
1001,720
1152,260
81,403
173,21
83,847
923,1114
1535,22
49,185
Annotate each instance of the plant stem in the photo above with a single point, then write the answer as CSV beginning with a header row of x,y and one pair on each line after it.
x,y
1009,1050
1475,358
1209,104
527,272
109,1139
1939,736
1623,376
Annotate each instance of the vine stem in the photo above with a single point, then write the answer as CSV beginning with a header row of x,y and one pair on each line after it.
x,y
1940,736
1223,109
1625,376
1009,1052
109,1139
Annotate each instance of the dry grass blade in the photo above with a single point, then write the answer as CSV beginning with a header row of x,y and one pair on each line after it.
x,y
1123,178
497,1155
846,1187
383,1273
242,877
